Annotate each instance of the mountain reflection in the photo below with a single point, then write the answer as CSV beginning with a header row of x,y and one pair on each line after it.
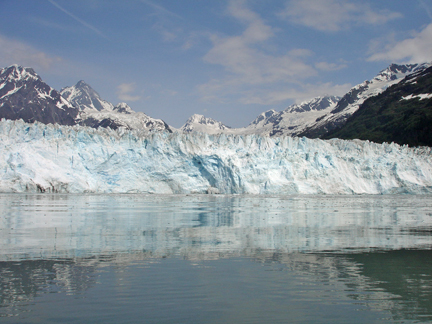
x,y
378,249
396,281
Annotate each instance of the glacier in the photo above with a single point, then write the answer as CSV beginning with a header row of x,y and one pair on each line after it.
x,y
75,159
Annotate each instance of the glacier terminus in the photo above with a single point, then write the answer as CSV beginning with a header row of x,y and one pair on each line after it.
x,y
75,159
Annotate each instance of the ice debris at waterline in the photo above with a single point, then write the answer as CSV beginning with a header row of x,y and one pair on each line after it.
x,y
51,158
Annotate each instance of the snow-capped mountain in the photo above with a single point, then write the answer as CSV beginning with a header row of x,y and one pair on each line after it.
x,y
96,112
85,97
294,119
52,158
23,95
400,114
122,116
291,121
199,123
351,101
313,118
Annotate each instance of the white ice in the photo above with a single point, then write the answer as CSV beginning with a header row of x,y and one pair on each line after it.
x,y
37,157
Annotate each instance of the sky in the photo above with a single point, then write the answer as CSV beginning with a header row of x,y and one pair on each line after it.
x,y
226,59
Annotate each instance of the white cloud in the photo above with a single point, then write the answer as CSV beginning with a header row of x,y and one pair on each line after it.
x,y
297,94
325,66
125,90
334,15
245,60
412,50
15,52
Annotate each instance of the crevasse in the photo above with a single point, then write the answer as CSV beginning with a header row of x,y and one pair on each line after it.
x,y
51,158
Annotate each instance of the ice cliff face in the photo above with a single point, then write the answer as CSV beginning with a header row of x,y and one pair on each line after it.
x,y
37,157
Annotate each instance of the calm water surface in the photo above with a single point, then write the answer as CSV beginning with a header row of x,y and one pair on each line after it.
x,y
215,259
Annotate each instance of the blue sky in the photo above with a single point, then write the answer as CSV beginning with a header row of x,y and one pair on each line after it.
x,y
229,60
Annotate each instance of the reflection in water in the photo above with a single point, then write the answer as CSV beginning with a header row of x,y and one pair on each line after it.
x,y
319,251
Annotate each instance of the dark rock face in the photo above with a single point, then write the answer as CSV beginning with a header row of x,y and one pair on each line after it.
x,y
401,114
23,95
357,95
96,123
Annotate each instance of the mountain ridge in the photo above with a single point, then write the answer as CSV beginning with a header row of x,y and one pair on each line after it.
x,y
401,114
23,95
352,100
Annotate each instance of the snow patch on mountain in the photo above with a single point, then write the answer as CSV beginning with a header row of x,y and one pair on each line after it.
x,y
16,73
294,119
85,97
291,121
23,95
53,158
10,92
122,116
421,96
199,123
96,112
351,101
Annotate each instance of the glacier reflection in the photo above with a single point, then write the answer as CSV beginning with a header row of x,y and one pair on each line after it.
x,y
207,227
375,252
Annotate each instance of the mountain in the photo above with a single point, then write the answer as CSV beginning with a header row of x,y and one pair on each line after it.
x,y
85,97
294,119
122,116
291,121
401,114
202,124
351,101
23,95
313,118
96,112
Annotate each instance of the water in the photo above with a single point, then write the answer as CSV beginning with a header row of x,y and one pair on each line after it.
x,y
215,259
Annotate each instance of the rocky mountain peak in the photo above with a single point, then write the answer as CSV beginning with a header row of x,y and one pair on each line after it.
x,y
84,97
318,103
23,95
203,124
17,73
124,108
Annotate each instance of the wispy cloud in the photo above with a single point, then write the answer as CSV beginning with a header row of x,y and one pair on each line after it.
x,y
15,52
161,9
414,50
243,58
297,94
82,22
325,66
427,8
166,23
125,90
251,73
334,15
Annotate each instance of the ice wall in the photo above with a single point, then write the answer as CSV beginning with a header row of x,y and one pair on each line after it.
x,y
38,157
